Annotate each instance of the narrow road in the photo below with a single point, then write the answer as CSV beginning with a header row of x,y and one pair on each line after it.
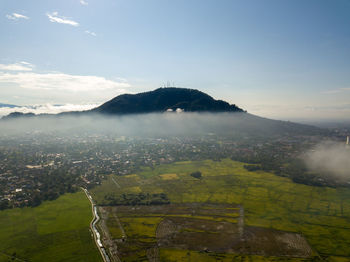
x,y
97,236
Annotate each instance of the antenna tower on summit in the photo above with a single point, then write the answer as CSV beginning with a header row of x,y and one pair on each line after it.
x,y
169,84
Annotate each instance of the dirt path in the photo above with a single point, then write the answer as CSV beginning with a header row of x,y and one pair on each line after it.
x,y
115,182
119,224
153,254
107,238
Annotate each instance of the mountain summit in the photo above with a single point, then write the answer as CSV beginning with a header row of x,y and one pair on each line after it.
x,y
165,99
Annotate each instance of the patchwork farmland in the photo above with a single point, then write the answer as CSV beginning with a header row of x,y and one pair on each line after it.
x,y
227,213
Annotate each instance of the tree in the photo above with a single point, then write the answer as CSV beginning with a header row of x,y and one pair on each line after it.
x,y
196,174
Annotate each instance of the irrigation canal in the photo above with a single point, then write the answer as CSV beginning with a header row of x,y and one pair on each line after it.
x,y
97,235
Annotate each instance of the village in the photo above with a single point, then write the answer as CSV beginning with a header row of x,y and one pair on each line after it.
x,y
39,167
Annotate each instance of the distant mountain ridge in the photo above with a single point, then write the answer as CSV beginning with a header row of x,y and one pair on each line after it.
x,y
189,100
163,99
8,105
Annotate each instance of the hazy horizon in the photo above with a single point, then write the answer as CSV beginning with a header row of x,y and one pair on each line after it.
x,y
60,108
282,60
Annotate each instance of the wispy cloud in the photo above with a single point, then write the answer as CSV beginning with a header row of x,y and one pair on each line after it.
x,y
337,107
328,92
47,108
55,18
16,16
21,66
90,33
63,82
336,91
83,2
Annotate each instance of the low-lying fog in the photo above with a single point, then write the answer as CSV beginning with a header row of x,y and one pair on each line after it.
x,y
151,124
330,158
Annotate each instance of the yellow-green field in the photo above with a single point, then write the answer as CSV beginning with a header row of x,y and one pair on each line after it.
x,y
320,214
176,255
54,231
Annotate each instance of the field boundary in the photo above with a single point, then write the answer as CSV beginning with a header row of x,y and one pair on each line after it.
x,y
94,220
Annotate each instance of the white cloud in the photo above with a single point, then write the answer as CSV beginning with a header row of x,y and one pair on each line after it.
x,y
47,108
83,2
328,92
336,91
90,33
21,66
16,16
63,82
55,18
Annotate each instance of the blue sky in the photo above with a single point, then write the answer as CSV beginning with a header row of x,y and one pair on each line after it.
x,y
279,59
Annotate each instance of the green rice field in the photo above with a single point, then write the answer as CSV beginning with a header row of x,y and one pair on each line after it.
x,y
54,231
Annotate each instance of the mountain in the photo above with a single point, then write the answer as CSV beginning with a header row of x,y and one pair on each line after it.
x,y
234,121
163,99
191,100
17,115
8,105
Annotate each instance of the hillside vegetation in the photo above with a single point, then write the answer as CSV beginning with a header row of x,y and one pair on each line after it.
x,y
162,99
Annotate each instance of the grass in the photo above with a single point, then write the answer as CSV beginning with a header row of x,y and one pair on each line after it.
x,y
169,176
141,227
176,255
321,214
114,228
54,231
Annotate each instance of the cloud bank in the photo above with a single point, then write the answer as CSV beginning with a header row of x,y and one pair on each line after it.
x,y
60,81
47,109
21,83
55,18
148,125
21,66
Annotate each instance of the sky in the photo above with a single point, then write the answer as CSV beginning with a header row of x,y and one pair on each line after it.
x,y
279,59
